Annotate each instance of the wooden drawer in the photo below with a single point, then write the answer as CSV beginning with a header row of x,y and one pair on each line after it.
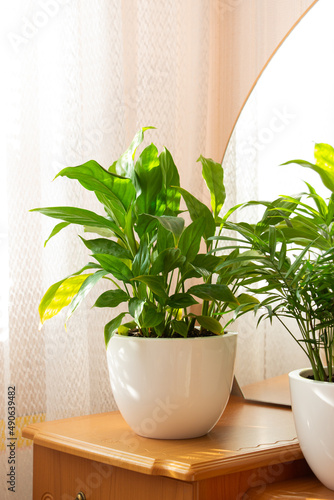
x,y
61,476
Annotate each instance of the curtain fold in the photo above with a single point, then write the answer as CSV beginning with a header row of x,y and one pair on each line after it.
x,y
81,79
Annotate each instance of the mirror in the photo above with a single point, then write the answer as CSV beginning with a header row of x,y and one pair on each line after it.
x,y
290,108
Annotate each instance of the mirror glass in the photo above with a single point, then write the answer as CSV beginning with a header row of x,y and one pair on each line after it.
x,y
290,109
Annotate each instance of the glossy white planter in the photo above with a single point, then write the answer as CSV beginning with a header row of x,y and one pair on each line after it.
x,y
172,388
313,411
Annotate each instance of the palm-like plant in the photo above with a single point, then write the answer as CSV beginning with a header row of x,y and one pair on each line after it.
x,y
288,257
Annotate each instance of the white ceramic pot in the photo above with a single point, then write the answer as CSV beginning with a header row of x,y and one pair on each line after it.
x,y
172,388
313,411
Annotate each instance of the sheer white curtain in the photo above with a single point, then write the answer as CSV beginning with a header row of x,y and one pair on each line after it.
x,y
79,79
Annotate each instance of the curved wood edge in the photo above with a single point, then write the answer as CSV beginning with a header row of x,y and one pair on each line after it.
x,y
266,454
244,40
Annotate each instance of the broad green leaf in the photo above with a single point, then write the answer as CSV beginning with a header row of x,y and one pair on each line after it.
x,y
111,298
126,327
85,288
247,302
59,295
56,230
149,176
114,266
105,233
181,300
105,246
173,224
135,309
74,215
180,327
111,327
206,262
213,292
165,239
141,262
166,261
324,156
150,317
210,324
213,175
155,283
113,208
197,209
93,177
190,239
170,178
125,164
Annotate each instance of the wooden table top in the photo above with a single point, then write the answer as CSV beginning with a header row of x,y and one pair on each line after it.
x,y
248,435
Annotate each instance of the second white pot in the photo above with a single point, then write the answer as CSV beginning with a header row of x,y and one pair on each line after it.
x,y
172,388
313,411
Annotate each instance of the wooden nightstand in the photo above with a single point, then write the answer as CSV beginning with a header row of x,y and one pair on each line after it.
x,y
252,445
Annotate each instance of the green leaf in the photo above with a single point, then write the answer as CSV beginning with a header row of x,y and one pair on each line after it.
x,y
324,166
272,241
135,309
210,324
181,300
166,261
150,317
93,177
173,224
59,295
170,178
56,230
165,239
197,209
111,327
105,233
324,156
213,292
114,266
149,176
247,302
155,283
180,327
105,246
111,298
80,216
125,164
190,239
279,210
85,288
206,263
213,175
141,262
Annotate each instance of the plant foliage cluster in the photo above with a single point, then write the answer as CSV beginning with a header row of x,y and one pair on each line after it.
x,y
287,257
280,267
143,247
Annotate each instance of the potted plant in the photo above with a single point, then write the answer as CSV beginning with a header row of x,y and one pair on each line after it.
x,y
288,258
171,370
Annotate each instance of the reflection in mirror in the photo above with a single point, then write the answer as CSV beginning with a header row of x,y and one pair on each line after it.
x,y
290,109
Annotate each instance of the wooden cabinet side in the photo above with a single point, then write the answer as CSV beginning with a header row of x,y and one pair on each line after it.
x,y
61,476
